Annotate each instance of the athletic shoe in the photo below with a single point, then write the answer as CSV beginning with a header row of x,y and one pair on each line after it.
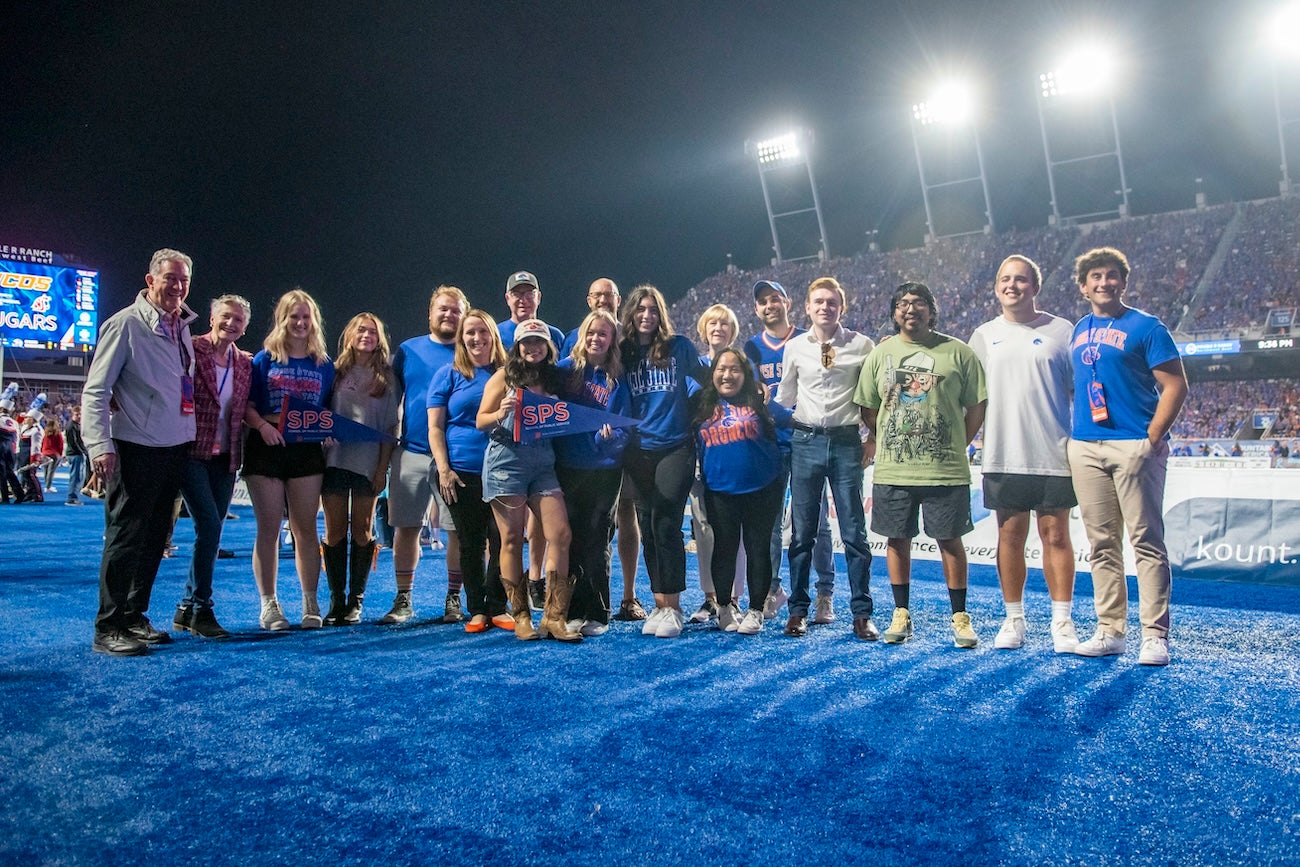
x,y
900,628
118,643
454,613
824,609
670,624
1011,635
630,609
751,623
1155,651
401,610
592,628
73,503
651,625
1100,644
1064,638
775,602
865,629
272,617
963,635
728,617
575,625
51,490
311,620
536,593
706,612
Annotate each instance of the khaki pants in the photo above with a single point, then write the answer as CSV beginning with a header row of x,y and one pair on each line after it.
x,y
1121,483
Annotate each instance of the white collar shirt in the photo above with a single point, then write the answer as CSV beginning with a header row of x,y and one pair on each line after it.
x,y
823,396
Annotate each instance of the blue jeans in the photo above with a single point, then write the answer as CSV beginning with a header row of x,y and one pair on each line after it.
x,y
823,556
76,477
815,460
207,487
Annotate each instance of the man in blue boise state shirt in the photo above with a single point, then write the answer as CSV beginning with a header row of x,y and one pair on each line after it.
x,y
764,350
1129,387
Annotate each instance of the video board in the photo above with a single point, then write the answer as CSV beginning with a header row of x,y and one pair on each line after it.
x,y
47,304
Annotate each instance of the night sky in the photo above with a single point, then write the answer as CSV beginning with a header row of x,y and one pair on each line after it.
x,y
370,151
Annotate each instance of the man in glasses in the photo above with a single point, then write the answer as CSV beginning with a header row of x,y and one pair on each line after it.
x,y
765,351
923,398
819,371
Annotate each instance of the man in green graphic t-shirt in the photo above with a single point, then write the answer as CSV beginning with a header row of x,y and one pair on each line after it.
x,y
924,398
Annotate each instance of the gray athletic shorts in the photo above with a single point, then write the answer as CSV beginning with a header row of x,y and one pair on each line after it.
x,y
895,510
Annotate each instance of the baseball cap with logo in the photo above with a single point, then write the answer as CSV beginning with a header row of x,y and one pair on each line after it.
x,y
763,285
535,328
521,278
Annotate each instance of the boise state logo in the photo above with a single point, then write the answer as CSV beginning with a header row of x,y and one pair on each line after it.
x,y
1091,354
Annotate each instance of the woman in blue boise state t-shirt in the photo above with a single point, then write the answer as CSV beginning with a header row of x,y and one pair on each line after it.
x,y
455,393
740,464
590,468
294,363
659,369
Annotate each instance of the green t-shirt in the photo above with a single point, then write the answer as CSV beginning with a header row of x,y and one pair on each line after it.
x,y
921,391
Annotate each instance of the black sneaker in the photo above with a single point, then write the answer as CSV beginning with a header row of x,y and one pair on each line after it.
x,y
205,625
537,593
142,630
181,619
118,643
225,554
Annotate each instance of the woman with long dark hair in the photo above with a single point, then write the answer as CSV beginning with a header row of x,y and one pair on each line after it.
x,y
365,391
658,368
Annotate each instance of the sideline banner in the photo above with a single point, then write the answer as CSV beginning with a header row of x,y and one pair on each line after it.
x,y
540,416
1225,524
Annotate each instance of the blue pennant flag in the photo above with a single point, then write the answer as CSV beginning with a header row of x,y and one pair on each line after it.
x,y
538,416
301,422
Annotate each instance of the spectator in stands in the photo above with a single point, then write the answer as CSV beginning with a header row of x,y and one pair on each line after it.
x,y
144,365
1128,389
1026,358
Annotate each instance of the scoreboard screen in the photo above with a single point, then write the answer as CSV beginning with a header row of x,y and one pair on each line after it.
x,y
48,306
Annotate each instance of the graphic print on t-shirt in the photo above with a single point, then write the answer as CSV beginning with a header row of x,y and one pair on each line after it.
x,y
914,428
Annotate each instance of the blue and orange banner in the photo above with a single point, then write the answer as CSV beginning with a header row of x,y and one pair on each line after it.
x,y
539,416
302,422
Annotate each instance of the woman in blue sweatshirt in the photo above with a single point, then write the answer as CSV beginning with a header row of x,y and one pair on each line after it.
x,y
740,465
590,468
659,369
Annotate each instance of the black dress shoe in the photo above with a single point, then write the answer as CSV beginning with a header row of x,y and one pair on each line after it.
x,y
118,643
181,619
204,624
796,626
142,630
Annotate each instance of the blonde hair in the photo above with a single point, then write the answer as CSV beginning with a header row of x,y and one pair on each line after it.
x,y
613,364
277,342
380,364
832,284
718,311
461,361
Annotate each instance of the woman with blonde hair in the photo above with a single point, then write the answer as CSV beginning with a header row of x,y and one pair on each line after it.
x,y
365,391
293,363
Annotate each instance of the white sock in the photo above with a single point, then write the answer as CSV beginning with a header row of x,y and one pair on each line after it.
x,y
1062,610
1016,609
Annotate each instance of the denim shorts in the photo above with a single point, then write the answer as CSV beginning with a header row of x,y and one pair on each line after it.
x,y
517,470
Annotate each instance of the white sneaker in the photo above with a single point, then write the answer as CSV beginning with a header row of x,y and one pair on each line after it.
x,y
775,602
824,609
670,624
1064,638
751,623
728,617
272,617
706,612
592,628
51,490
651,624
1100,644
1011,635
1155,651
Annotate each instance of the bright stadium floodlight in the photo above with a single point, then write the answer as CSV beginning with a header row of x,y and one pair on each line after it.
x,y
796,192
950,104
1282,32
1081,75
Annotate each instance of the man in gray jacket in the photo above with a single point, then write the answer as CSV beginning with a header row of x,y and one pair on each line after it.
x,y
144,368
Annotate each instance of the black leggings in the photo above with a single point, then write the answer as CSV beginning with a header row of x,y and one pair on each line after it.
x,y
590,496
662,480
477,530
749,516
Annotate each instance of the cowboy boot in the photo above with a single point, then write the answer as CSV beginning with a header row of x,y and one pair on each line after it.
x,y
362,561
336,576
558,593
518,593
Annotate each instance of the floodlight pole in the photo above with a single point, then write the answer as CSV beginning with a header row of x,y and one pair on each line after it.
x,y
771,217
774,218
1047,155
1118,153
926,186
1284,186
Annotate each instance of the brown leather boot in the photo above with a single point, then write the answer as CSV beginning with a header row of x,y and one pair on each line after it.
x,y
554,617
518,593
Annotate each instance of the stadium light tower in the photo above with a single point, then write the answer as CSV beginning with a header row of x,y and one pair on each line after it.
x,y
1080,77
951,105
790,195
1283,33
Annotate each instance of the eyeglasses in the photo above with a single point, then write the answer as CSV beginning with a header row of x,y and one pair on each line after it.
x,y
828,356
914,304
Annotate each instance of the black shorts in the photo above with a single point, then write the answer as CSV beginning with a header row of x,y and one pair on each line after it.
x,y
341,481
289,461
895,510
1021,492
